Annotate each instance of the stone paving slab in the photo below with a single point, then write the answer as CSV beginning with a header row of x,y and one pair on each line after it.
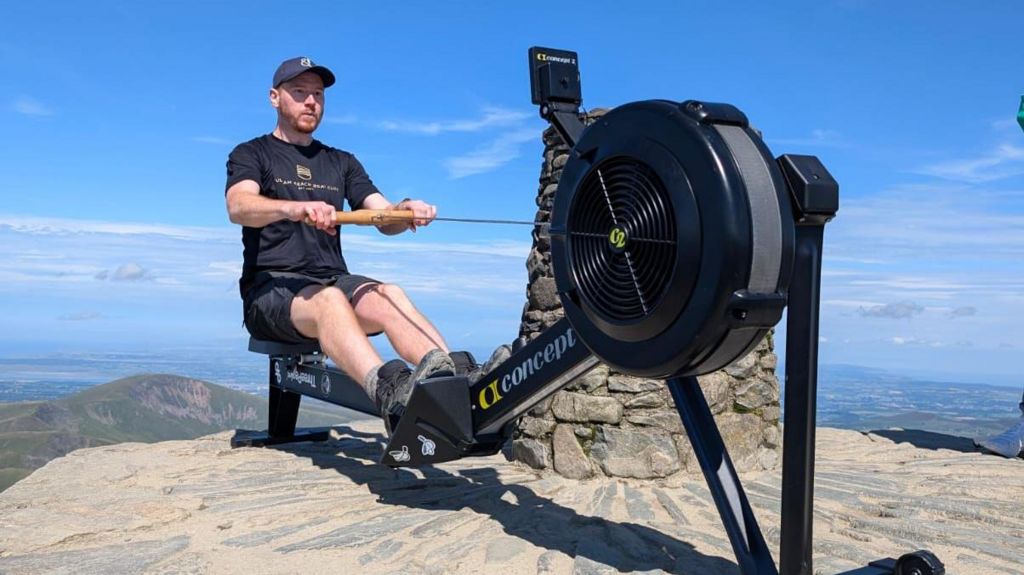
x,y
202,507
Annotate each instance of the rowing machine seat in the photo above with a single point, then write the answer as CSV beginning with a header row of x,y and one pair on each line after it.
x,y
268,347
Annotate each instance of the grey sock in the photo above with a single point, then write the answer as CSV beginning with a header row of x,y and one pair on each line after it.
x,y
370,382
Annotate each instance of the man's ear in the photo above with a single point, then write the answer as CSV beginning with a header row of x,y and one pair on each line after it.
x,y
275,98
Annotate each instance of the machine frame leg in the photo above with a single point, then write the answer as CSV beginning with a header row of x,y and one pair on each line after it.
x,y
752,553
801,404
282,417
283,413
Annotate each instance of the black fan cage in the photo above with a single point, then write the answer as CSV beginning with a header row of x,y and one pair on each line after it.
x,y
622,239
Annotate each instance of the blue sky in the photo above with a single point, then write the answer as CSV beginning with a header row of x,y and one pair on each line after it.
x,y
119,117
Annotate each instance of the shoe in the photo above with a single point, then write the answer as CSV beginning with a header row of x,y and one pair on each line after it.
x,y
394,386
435,364
1010,443
500,355
395,382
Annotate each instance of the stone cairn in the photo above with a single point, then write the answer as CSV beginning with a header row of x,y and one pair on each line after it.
x,y
610,424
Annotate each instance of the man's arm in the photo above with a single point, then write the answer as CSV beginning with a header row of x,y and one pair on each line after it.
x,y
247,207
423,213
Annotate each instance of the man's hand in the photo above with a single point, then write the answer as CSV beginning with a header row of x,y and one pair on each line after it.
x,y
423,213
317,214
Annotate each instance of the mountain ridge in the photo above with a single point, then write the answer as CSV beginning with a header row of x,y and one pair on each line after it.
x,y
142,408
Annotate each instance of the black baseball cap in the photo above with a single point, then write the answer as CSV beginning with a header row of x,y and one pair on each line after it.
x,y
295,66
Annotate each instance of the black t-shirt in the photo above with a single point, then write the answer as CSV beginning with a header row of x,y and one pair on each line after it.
x,y
305,173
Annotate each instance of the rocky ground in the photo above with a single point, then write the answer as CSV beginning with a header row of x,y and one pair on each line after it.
x,y
202,507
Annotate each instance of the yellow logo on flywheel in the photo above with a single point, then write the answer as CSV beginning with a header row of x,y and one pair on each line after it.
x,y
617,237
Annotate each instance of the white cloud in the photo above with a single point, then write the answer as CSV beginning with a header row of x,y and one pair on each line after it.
x,y
898,310
940,261
963,311
229,268
905,223
67,226
486,157
849,303
490,156
492,117
1003,162
129,272
29,106
917,284
922,342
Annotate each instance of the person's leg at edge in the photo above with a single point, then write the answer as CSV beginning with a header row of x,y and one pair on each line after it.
x,y
385,308
324,313
1010,443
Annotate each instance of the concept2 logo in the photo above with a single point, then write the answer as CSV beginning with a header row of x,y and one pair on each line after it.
x,y
617,238
552,58
497,389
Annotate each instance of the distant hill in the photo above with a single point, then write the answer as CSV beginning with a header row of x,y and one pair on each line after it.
x,y
142,408
864,399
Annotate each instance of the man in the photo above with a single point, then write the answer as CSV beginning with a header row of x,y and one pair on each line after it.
x,y
284,189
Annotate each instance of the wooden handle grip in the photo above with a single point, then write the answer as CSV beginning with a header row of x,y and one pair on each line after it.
x,y
373,217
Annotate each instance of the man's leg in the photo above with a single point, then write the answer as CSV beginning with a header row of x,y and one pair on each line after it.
x,y
1010,443
386,308
324,313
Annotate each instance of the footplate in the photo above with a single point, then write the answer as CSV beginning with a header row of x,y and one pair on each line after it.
x,y
436,425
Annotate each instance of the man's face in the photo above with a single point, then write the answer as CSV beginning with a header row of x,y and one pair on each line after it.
x,y
300,102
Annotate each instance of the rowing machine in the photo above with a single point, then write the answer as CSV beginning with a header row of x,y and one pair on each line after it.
x,y
677,241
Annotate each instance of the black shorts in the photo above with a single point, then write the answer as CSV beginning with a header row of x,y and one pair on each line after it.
x,y
268,306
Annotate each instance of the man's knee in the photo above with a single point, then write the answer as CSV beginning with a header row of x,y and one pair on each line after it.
x,y
332,300
382,303
392,292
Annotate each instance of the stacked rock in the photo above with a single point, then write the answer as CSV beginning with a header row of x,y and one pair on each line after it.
x,y
608,423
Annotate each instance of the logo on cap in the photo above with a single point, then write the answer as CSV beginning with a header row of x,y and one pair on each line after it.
x,y
303,172
306,63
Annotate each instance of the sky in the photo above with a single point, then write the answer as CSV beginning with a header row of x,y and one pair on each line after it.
x,y
119,117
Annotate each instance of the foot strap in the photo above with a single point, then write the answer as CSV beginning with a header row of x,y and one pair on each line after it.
x,y
464,362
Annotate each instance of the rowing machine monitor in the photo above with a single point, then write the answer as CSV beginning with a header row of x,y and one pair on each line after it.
x,y
554,76
677,240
